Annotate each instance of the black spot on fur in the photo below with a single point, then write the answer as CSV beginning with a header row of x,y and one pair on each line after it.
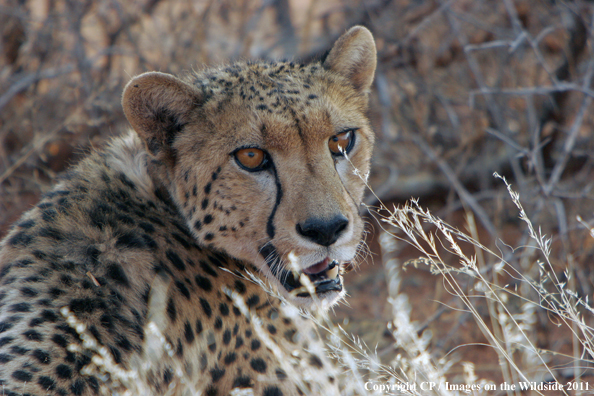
x,y
20,307
46,383
204,205
290,335
217,373
208,269
272,391
117,356
26,224
224,308
22,375
315,361
129,241
258,364
156,220
203,283
253,301
218,324
55,292
85,305
163,196
20,239
230,358
42,356
5,358
124,179
206,307
4,326
49,316
211,391
171,309
78,387
149,242
29,292
124,343
63,371
117,274
243,381
5,270
33,335
101,215
93,384
181,240
198,225
238,342
188,332
207,188
51,232
280,374
182,289
226,337
167,376
161,269
45,205
198,326
256,344
147,227
19,350
179,350
49,215
60,340
93,253
239,287
209,236
175,260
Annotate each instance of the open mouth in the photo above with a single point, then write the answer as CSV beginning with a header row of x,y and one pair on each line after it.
x,y
323,276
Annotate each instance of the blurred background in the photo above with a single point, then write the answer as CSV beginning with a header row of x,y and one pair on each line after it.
x,y
463,89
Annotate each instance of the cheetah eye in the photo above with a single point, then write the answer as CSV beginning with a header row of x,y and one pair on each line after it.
x,y
341,143
251,159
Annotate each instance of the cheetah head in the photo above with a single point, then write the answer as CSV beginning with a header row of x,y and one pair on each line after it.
x,y
266,161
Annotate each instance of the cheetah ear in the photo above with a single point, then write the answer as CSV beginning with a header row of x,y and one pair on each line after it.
x,y
158,106
354,56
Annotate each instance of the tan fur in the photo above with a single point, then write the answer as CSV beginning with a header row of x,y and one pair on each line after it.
x,y
170,226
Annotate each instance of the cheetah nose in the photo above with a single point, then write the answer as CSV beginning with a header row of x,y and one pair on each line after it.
x,y
323,232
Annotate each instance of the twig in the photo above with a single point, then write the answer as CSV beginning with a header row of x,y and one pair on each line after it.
x,y
32,78
573,132
540,90
37,144
465,196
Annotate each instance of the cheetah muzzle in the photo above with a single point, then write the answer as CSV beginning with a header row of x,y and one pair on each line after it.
x,y
234,180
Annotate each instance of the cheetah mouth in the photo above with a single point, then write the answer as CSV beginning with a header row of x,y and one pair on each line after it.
x,y
323,277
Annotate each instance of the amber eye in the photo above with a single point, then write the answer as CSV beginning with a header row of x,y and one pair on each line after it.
x,y
341,143
251,159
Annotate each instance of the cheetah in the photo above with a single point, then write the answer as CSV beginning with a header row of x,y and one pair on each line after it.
x,y
231,204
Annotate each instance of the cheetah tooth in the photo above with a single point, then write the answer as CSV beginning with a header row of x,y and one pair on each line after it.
x,y
333,273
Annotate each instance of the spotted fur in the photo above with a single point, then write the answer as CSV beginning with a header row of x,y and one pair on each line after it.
x,y
165,226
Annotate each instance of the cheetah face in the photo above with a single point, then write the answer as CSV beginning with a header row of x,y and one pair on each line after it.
x,y
266,161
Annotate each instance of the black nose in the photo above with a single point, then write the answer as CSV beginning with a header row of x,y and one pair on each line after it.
x,y
323,232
